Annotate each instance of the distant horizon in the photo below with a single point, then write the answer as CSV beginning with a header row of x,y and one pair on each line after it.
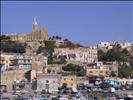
x,y
87,23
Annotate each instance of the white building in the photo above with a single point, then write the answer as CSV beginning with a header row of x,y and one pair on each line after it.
x,y
109,45
125,44
106,45
48,82
11,61
84,55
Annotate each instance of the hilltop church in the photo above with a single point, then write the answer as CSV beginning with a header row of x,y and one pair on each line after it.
x,y
38,34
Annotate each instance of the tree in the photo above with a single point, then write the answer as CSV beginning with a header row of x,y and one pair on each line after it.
x,y
114,54
49,38
48,49
66,40
15,47
4,38
49,46
74,69
63,59
50,59
131,61
53,38
125,71
100,54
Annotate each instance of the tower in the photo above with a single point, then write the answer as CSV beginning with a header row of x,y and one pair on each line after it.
x,y
34,24
38,34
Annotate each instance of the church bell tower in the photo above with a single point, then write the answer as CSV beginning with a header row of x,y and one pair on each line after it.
x,y
34,24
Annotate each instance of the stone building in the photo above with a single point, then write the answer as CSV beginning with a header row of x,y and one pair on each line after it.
x,y
39,63
48,82
83,55
37,34
97,69
11,76
101,69
70,80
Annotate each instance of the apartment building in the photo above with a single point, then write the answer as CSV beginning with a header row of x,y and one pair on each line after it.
x,y
14,61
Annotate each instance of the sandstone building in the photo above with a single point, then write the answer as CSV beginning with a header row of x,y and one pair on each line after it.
x,y
83,55
37,34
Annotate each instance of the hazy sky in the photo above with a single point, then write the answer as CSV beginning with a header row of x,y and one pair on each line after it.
x,y
85,22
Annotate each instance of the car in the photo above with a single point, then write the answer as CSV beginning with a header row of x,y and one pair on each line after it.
x,y
104,90
95,98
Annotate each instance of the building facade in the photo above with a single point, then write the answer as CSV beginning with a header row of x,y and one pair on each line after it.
x,y
69,80
11,76
38,34
48,82
110,45
14,61
97,69
84,55
39,63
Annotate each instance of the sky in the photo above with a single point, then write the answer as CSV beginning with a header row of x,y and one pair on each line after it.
x,y
85,22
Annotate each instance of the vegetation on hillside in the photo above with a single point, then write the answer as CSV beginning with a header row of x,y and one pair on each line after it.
x,y
114,54
55,60
125,71
74,69
13,47
49,48
4,38
55,38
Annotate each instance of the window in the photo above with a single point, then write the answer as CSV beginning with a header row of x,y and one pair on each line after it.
x,y
28,61
24,61
47,81
91,71
101,71
53,71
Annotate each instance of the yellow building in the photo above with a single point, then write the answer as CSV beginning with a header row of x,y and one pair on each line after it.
x,y
38,34
97,72
70,80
